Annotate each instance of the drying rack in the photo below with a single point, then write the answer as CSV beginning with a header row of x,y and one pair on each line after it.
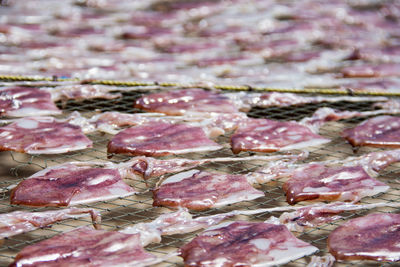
x,y
123,212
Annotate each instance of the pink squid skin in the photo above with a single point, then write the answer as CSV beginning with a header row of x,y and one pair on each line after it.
x,y
42,135
381,131
319,182
204,190
371,237
24,101
69,185
160,140
264,135
180,102
247,243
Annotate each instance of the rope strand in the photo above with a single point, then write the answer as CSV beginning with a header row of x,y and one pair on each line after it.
x,y
217,86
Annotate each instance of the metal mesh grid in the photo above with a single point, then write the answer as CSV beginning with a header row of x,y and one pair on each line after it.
x,y
123,212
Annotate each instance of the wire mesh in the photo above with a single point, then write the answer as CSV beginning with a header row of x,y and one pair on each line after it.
x,y
123,212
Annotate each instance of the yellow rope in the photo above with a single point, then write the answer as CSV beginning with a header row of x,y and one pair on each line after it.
x,y
33,78
122,83
221,87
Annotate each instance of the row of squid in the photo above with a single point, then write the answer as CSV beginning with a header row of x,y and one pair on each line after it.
x,y
185,121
